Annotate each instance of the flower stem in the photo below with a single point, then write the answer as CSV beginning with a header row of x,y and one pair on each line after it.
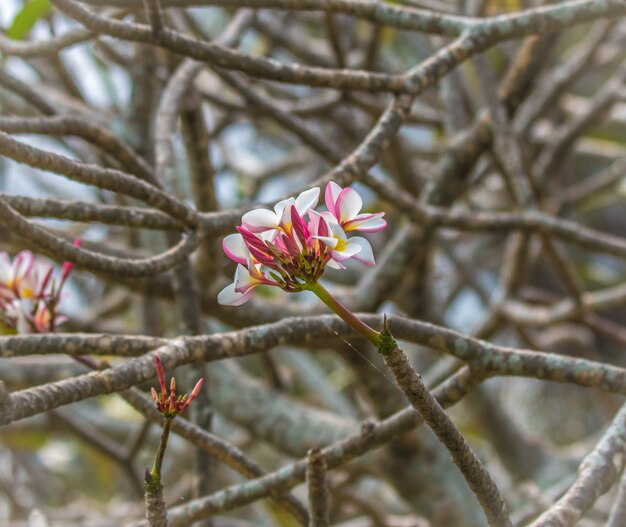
x,y
350,318
158,461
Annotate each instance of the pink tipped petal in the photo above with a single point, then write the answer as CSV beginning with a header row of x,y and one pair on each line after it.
x,y
365,255
229,297
348,204
160,371
330,197
235,248
23,263
329,217
366,223
260,220
315,219
318,224
307,200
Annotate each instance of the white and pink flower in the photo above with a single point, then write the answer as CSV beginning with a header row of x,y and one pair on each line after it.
x,y
29,295
260,220
344,206
291,246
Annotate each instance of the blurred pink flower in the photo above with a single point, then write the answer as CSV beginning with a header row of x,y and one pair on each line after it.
x,y
283,248
29,295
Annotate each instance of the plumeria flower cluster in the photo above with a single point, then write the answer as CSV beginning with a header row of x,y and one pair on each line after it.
x,y
168,402
30,294
291,246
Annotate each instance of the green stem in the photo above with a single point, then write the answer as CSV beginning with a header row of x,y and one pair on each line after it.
x,y
158,461
350,318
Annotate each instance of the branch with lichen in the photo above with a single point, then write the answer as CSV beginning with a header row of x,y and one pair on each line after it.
x,y
317,484
420,398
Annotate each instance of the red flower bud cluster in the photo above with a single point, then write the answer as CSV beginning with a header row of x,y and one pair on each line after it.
x,y
168,402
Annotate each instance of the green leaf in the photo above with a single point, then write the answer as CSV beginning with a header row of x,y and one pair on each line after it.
x,y
28,17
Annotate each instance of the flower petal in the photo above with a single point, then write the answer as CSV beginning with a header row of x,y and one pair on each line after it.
x,y
347,252
280,206
334,264
245,279
365,255
366,223
307,200
330,218
235,248
318,224
22,326
260,220
330,241
348,205
229,297
5,268
338,232
330,197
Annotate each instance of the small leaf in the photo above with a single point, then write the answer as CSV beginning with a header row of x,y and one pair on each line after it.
x,y
25,19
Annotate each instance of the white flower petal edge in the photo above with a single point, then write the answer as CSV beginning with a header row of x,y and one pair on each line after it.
x,y
330,197
229,297
235,248
347,252
6,270
365,255
335,265
328,241
281,206
366,223
316,222
260,220
348,205
247,278
307,200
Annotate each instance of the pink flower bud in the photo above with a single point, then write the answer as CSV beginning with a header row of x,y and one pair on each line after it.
x,y
160,371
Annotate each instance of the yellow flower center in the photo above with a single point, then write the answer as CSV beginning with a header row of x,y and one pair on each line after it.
x,y
341,244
